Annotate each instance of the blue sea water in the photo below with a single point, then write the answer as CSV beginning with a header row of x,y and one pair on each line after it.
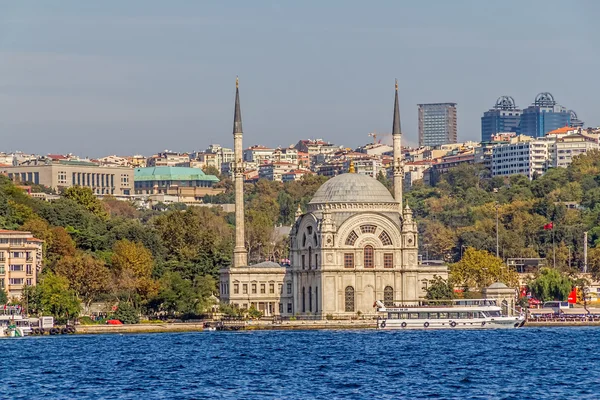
x,y
553,363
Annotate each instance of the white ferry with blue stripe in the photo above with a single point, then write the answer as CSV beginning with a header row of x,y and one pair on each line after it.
x,y
459,314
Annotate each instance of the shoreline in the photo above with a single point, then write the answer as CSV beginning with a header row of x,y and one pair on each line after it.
x,y
268,326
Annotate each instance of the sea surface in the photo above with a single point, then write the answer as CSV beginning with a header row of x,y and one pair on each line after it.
x,y
532,363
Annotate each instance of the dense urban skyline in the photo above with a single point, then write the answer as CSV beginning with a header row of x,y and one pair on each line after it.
x,y
139,77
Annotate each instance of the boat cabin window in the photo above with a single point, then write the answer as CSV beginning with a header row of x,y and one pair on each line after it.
x,y
462,315
443,315
392,315
493,313
404,315
433,315
453,315
414,315
423,315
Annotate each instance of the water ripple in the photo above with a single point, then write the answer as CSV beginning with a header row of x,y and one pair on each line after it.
x,y
511,364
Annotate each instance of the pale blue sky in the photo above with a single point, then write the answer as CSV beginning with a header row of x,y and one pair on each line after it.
x,y
139,76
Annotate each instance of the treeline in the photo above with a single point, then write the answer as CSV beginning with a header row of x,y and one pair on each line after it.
x,y
460,212
161,261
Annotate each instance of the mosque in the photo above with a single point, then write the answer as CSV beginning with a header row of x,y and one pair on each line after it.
x,y
354,244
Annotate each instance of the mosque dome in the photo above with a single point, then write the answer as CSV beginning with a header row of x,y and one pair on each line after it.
x,y
352,188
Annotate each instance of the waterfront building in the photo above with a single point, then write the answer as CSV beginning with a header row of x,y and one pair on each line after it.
x,y
354,244
437,124
20,261
63,173
189,185
505,116
543,116
266,286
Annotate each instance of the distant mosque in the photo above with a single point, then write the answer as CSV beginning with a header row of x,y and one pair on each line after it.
x,y
354,245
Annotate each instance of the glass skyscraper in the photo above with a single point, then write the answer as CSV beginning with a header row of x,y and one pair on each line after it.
x,y
504,117
543,116
437,124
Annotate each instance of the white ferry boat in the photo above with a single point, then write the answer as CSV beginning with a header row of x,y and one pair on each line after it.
x,y
461,314
14,326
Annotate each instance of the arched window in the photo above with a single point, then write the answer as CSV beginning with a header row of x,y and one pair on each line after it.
x,y
304,240
385,239
316,299
315,239
303,299
388,296
310,298
368,257
351,238
309,257
368,228
349,299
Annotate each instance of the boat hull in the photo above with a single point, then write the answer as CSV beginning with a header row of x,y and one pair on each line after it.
x,y
475,323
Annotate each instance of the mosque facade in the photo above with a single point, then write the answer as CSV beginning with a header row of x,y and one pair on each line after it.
x,y
354,244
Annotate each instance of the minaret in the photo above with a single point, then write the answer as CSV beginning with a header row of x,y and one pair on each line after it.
x,y
398,157
240,255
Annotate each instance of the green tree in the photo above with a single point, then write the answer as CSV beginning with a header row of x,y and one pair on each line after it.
x,y
87,276
478,269
132,266
3,297
254,313
440,289
181,296
57,298
550,284
127,314
85,197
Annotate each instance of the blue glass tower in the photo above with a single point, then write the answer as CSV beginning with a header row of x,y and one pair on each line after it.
x,y
543,116
504,117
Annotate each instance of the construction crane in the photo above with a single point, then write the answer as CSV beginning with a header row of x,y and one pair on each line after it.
x,y
376,135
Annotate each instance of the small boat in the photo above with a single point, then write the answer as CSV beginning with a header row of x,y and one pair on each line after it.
x,y
13,323
459,314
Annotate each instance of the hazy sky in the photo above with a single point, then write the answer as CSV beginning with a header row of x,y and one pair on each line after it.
x,y
123,77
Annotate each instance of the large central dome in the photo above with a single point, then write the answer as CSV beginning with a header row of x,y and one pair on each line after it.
x,y
352,188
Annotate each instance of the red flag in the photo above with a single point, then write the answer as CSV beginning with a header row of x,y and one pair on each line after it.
x,y
548,226
572,299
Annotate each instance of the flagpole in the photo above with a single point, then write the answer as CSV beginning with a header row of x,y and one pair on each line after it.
x,y
553,247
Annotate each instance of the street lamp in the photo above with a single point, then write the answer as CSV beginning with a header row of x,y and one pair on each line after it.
x,y
497,240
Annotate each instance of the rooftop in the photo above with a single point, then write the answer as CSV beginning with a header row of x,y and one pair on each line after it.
x,y
352,188
172,174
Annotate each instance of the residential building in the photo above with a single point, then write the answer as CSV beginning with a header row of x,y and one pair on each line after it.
x,y
61,174
258,154
295,175
446,163
437,124
316,148
20,261
289,155
114,161
564,148
415,171
190,185
483,152
275,170
543,116
522,155
375,149
15,158
167,159
505,116
137,161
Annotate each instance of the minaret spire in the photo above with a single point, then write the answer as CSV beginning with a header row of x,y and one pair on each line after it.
x,y
240,255
398,157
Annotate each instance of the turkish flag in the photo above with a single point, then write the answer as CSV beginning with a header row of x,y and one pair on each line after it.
x,y
572,299
548,226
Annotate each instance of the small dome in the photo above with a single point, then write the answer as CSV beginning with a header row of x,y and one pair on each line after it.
x,y
497,285
352,188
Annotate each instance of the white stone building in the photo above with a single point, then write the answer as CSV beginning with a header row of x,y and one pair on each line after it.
x,y
355,244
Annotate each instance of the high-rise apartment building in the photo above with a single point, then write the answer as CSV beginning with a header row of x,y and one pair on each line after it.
x,y
437,124
543,116
20,261
503,117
